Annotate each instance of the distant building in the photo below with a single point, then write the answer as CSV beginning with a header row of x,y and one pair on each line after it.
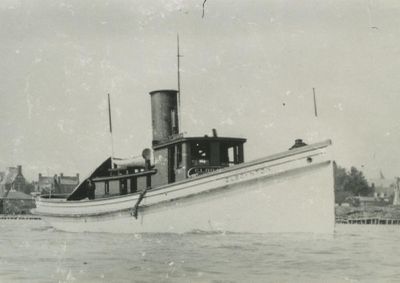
x,y
396,197
45,184
367,201
66,184
13,179
13,200
57,184
383,186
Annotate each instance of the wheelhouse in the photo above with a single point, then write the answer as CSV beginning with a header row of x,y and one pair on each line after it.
x,y
192,156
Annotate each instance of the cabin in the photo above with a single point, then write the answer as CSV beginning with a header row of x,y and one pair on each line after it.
x,y
173,157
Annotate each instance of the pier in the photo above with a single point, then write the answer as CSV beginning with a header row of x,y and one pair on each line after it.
x,y
19,217
369,221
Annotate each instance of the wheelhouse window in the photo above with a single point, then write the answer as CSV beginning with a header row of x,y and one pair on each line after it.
x,y
200,152
178,155
231,154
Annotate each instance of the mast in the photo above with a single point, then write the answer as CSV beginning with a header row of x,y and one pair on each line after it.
x,y
111,135
178,56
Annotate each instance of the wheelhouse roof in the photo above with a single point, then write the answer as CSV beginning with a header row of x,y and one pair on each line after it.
x,y
229,140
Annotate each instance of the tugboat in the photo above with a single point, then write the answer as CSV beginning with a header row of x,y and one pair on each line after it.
x,y
185,184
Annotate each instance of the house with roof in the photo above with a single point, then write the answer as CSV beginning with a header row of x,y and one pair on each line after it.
x,y
17,203
13,200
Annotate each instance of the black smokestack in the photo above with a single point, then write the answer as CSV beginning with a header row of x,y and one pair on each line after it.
x,y
164,115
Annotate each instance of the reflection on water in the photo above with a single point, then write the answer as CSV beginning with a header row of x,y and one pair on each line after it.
x,y
31,251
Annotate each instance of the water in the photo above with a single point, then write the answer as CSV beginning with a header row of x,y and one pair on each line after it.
x,y
31,251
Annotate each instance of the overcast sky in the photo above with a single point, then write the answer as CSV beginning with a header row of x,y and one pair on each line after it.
x,y
248,70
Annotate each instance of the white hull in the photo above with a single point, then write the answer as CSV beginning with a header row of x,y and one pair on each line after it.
x,y
282,193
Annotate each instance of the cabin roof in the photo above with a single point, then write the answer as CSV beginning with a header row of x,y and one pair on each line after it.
x,y
80,191
199,139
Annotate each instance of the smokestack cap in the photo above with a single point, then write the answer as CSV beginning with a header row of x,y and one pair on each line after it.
x,y
167,91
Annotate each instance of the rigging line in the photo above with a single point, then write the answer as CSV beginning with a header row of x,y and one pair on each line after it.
x,y
111,135
203,8
315,104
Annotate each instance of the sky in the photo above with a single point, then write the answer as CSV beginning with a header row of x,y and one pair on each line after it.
x,y
248,69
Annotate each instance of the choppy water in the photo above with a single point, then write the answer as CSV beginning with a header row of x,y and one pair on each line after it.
x,y
31,251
